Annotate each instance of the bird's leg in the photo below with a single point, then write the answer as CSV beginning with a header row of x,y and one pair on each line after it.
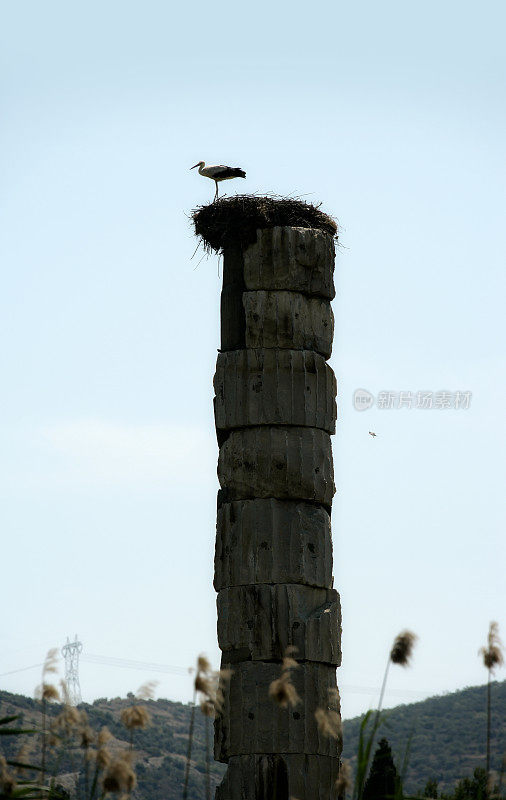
x,y
216,195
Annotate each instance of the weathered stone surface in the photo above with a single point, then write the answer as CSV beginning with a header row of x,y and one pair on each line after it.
x,y
275,410
274,387
291,776
288,320
295,259
259,622
233,319
286,463
272,541
252,722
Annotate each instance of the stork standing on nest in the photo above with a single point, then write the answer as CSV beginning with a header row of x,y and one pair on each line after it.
x,y
219,173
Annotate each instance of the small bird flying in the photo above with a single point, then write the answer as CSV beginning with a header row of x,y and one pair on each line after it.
x,y
219,172
371,433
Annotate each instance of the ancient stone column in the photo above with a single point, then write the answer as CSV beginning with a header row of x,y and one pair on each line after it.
x,y
275,411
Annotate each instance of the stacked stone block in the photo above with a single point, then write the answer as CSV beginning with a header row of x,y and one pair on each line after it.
x,y
275,410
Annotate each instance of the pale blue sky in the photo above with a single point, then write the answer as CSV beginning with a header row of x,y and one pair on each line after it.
x,y
389,114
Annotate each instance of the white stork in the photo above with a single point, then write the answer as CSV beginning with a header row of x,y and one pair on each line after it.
x,y
219,173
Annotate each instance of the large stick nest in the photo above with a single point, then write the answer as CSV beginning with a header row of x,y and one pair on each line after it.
x,y
235,220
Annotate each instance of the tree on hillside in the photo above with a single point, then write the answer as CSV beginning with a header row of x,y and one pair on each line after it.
x,y
383,779
430,789
474,788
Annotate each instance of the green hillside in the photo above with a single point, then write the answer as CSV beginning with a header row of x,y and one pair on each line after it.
x,y
448,739
448,735
160,749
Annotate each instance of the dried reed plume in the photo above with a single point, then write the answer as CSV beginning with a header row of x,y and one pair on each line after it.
x,y
203,683
50,662
211,687
402,648
329,719
345,779
329,723
68,720
207,708
87,735
46,691
104,736
120,776
135,717
334,698
493,653
103,758
401,652
223,678
146,691
282,691
7,779
203,664
23,755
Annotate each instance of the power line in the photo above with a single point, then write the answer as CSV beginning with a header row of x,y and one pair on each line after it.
x,y
21,669
111,661
376,690
171,669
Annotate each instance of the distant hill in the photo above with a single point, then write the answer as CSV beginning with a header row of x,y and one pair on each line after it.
x,y
160,749
448,735
447,739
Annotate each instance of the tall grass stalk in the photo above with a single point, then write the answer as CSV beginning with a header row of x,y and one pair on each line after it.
x,y
47,692
383,687
400,654
86,773
364,754
189,749
201,684
208,759
489,718
399,791
501,773
42,776
283,693
492,656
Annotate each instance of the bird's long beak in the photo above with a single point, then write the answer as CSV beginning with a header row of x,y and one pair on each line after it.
x,y
196,165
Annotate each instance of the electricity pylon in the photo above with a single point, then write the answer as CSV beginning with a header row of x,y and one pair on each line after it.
x,y
71,652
